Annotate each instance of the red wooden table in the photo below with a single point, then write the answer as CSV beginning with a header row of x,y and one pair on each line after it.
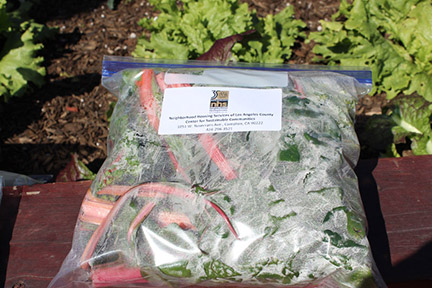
x,y
38,222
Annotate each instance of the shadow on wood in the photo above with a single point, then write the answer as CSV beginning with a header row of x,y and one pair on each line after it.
x,y
8,214
418,266
376,225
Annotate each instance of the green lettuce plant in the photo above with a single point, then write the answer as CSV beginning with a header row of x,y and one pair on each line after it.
x,y
392,37
405,125
188,30
19,45
412,117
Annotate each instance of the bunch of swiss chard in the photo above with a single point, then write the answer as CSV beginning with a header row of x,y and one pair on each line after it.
x,y
243,208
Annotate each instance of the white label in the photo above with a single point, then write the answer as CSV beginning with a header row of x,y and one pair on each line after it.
x,y
197,110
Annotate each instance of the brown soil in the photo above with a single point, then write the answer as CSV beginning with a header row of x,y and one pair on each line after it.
x,y
40,131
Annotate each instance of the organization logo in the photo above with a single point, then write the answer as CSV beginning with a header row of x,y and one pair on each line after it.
x,y
219,100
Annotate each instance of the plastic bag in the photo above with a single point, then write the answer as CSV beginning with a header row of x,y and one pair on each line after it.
x,y
235,175
14,179
1,188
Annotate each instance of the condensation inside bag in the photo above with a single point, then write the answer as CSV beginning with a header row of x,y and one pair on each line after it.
x,y
265,208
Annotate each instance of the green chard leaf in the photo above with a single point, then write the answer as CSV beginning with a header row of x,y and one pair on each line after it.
x,y
355,225
336,240
290,153
178,269
313,139
216,269
271,188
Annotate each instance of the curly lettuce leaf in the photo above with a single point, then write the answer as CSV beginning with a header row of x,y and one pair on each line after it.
x,y
19,64
413,119
4,19
276,36
190,31
393,38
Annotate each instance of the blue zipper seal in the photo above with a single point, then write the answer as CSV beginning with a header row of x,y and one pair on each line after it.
x,y
114,64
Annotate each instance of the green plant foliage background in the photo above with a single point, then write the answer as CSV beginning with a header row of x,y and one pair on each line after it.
x,y
189,31
19,63
393,37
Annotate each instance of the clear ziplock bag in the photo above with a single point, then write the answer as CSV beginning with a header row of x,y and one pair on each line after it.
x,y
234,175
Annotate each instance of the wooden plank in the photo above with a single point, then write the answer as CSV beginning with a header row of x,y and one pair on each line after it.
x,y
59,201
43,232
35,264
405,191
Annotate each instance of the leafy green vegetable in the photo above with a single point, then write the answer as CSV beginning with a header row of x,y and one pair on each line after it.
x,y
280,218
413,119
340,261
178,269
391,37
216,269
276,202
376,135
75,170
111,4
313,139
276,36
271,188
405,125
338,190
290,153
394,39
276,221
306,113
269,277
190,31
19,63
355,226
337,240
362,278
285,275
